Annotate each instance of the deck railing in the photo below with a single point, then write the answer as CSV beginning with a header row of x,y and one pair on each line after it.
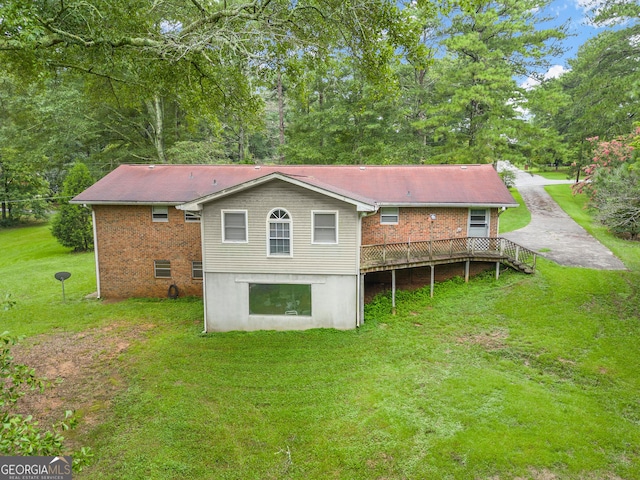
x,y
442,250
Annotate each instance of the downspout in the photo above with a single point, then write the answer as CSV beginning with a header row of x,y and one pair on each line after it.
x,y
360,282
95,249
204,268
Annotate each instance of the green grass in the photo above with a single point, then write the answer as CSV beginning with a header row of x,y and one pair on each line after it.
x,y
526,376
515,218
552,174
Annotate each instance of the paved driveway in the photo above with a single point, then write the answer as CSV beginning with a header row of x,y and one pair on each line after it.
x,y
553,233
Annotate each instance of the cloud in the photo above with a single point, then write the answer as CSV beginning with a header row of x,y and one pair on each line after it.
x,y
554,72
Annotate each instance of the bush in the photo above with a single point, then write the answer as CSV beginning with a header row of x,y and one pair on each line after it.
x,y
508,177
72,224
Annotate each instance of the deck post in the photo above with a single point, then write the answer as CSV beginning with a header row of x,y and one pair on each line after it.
x,y
432,279
517,253
393,292
466,271
497,270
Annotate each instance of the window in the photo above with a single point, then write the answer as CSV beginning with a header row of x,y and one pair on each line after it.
x,y
160,214
191,217
325,227
162,268
234,226
389,215
196,270
279,233
279,299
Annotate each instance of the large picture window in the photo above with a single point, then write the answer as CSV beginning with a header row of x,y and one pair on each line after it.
x,y
234,226
279,233
279,299
325,227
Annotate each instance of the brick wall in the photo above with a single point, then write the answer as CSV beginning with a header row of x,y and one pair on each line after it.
x,y
129,241
416,224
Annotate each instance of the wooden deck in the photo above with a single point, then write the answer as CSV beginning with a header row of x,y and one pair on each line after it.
x,y
393,256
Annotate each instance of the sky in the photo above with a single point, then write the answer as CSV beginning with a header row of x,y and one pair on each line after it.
x,y
574,13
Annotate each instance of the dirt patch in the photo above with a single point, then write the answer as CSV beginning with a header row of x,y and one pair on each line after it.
x,y
488,340
83,370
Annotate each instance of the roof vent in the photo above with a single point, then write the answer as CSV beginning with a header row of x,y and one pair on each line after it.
x,y
257,167
463,167
215,182
151,167
363,168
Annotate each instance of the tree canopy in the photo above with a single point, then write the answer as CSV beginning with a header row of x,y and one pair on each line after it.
x,y
310,81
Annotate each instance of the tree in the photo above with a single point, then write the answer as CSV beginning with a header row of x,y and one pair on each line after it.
x,y
72,224
612,183
23,186
474,114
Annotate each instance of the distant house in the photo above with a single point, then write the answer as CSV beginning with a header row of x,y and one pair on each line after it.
x,y
288,247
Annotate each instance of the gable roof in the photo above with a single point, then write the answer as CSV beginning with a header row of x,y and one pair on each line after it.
x,y
393,185
362,204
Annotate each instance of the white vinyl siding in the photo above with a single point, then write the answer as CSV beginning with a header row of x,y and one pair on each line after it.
x,y
325,227
389,215
234,226
251,257
160,214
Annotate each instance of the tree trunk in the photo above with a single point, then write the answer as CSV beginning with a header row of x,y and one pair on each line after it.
x,y
281,114
156,110
241,145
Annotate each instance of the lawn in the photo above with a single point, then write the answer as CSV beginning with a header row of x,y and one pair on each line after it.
x,y
515,218
537,377
551,173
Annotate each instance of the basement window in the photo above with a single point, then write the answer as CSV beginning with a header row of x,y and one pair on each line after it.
x,y
279,299
162,268
196,270
160,214
389,215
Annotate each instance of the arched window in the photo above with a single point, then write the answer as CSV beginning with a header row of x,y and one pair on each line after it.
x,y
279,233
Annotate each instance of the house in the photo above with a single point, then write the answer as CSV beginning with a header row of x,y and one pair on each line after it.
x,y
288,247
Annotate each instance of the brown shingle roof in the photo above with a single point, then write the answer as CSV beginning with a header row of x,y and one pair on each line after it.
x,y
392,185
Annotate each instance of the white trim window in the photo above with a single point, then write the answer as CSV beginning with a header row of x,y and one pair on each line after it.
x,y
191,216
324,227
160,213
234,226
279,233
162,268
196,270
389,215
